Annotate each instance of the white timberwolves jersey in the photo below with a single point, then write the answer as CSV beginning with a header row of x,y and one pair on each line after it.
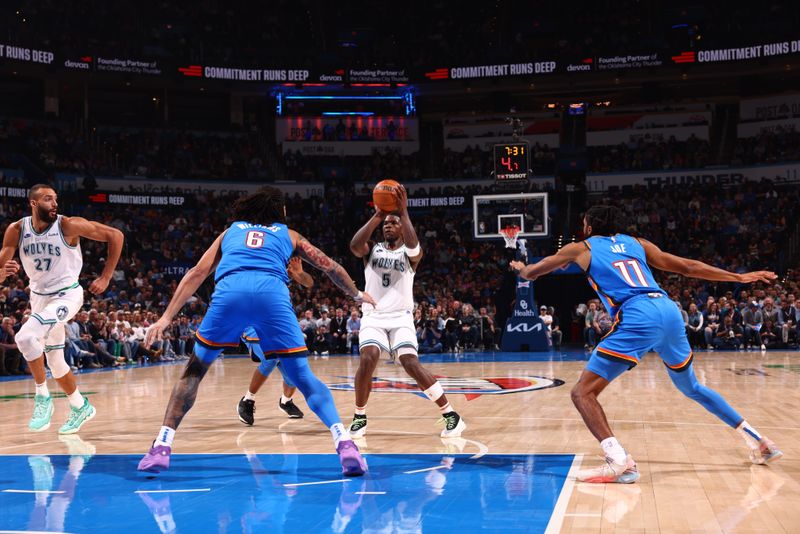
x,y
389,280
50,263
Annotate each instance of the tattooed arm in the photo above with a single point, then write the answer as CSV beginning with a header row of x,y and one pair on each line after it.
x,y
335,272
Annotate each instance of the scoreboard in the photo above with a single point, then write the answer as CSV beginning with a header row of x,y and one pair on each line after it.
x,y
511,162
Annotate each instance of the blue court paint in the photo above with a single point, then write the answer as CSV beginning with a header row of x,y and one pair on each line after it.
x,y
499,493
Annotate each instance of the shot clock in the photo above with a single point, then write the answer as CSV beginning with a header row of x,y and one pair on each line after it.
x,y
511,162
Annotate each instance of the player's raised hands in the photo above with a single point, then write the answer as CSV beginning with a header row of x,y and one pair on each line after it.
x,y
757,276
295,266
156,331
10,268
402,198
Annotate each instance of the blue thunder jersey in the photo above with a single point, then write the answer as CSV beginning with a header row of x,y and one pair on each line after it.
x,y
618,270
253,247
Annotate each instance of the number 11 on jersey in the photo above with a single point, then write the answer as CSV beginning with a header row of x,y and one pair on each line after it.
x,y
622,267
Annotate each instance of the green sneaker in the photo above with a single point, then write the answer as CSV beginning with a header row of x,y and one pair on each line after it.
x,y
77,417
42,412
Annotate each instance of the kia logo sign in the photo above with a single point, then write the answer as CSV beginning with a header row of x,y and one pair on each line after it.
x,y
524,328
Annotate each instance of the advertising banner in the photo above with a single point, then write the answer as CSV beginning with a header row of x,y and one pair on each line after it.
x,y
771,107
781,174
348,148
752,129
616,137
27,55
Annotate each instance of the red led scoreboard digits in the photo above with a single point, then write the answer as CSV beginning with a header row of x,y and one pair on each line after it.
x,y
511,162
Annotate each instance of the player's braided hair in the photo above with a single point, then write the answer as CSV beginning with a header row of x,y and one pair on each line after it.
x,y
265,206
604,220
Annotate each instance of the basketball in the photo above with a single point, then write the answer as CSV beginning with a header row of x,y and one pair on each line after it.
x,y
384,197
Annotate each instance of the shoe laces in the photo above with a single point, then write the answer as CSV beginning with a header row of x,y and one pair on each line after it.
x,y
74,414
39,409
450,420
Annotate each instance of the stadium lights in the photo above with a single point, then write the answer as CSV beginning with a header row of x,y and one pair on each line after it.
x,y
348,113
341,97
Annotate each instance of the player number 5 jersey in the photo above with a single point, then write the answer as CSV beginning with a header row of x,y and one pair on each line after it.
x,y
50,263
389,280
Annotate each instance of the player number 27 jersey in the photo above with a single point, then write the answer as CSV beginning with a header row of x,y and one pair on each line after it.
x,y
50,263
389,280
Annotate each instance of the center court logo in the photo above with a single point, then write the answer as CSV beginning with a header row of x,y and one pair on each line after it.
x,y
471,388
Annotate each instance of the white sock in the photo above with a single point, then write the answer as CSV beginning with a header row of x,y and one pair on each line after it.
x,y
249,396
285,399
41,389
339,433
361,410
165,436
75,399
614,450
750,435
446,408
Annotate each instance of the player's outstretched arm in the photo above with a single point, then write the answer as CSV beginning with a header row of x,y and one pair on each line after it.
x,y
568,254
8,266
335,272
75,227
190,282
359,245
410,239
697,269
296,272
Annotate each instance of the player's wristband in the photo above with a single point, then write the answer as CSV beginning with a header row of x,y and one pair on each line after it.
x,y
412,252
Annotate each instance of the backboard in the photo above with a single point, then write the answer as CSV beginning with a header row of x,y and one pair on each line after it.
x,y
490,213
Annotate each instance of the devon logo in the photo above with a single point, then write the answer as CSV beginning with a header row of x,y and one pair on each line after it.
x,y
471,388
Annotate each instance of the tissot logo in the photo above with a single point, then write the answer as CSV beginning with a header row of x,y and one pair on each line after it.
x,y
471,388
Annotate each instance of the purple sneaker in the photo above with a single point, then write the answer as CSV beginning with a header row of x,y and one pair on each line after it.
x,y
353,465
156,460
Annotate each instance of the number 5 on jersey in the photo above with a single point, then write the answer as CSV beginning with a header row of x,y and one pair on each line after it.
x,y
637,270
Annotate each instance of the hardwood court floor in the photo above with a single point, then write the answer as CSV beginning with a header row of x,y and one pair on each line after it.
x,y
696,476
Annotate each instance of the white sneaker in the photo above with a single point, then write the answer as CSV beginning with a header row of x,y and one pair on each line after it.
x,y
763,347
610,472
767,452
453,425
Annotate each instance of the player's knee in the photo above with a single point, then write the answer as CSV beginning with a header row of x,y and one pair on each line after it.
x,y
29,342
409,361
194,368
55,361
370,356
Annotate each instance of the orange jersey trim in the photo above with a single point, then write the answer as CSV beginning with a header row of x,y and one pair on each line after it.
x,y
286,351
214,343
251,338
683,363
617,354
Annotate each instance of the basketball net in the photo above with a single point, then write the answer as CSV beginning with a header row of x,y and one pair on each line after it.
x,y
510,234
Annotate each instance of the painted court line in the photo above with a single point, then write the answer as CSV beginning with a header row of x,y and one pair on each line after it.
x,y
370,493
315,483
427,469
174,491
560,509
46,492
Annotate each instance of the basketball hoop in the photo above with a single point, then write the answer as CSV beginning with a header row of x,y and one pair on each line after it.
x,y
510,234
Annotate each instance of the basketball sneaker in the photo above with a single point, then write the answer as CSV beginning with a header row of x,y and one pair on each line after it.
x,y
611,472
42,413
353,465
156,460
766,452
290,409
453,425
359,426
77,418
247,409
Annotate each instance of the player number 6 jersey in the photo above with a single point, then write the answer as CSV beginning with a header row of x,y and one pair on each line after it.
x,y
389,280
50,263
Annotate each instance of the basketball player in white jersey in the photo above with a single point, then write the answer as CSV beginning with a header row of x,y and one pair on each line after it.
x,y
50,250
388,327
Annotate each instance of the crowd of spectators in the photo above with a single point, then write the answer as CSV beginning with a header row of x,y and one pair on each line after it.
x,y
646,155
775,146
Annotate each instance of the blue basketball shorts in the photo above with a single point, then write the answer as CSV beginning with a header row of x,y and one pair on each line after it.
x,y
257,300
644,323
